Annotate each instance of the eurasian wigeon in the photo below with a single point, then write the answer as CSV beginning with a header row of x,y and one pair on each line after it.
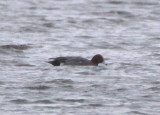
x,y
70,60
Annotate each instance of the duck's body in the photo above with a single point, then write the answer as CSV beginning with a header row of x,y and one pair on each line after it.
x,y
70,60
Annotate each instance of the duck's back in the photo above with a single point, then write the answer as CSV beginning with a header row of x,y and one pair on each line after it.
x,y
71,61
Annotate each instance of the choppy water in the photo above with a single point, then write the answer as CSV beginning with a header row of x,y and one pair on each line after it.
x,y
125,32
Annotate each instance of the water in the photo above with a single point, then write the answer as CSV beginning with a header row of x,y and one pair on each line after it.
x,y
125,32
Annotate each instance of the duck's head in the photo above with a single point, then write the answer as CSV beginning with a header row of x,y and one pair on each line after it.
x,y
97,59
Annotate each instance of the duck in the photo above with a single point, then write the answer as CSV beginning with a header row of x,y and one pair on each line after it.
x,y
77,61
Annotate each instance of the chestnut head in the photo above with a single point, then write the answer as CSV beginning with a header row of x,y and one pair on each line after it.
x,y
97,59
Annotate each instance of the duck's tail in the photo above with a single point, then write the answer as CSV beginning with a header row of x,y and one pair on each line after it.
x,y
54,63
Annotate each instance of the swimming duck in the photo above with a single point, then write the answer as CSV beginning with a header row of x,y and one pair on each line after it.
x,y
76,60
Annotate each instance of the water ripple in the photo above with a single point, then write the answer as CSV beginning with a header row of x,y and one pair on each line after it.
x,y
17,47
40,87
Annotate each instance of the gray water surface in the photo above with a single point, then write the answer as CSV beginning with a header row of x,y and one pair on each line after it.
x,y
125,32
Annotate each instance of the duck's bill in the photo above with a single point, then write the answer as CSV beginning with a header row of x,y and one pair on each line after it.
x,y
104,63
